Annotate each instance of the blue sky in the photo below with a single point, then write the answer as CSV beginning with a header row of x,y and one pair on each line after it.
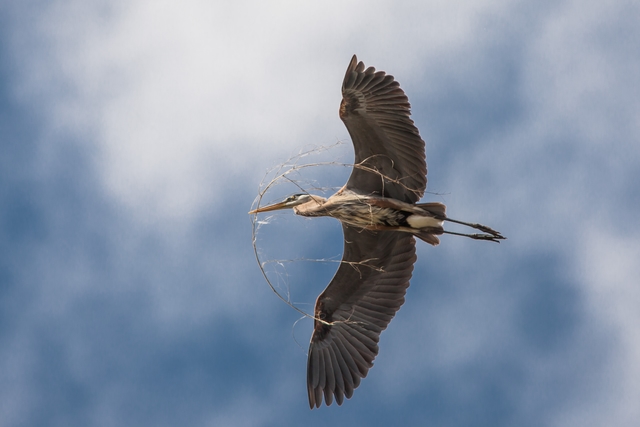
x,y
135,136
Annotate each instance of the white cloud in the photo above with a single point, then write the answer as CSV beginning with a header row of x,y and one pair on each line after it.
x,y
178,99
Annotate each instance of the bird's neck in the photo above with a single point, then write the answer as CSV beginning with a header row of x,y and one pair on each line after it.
x,y
313,207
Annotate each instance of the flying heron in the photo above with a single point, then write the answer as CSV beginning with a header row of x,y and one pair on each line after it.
x,y
380,217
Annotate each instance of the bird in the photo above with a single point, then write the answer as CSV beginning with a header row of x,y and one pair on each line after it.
x,y
381,217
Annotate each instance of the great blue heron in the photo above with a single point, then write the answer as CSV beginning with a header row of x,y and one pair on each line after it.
x,y
380,217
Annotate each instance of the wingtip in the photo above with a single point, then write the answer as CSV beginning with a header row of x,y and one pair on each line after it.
x,y
312,404
351,67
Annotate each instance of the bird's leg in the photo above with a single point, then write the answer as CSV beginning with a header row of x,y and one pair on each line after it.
x,y
477,236
494,233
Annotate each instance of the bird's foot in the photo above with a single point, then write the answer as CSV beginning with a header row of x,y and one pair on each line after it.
x,y
478,236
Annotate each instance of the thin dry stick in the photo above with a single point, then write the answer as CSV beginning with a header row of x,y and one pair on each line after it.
x,y
291,166
282,173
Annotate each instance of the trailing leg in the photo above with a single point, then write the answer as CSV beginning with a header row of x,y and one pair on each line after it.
x,y
480,227
478,236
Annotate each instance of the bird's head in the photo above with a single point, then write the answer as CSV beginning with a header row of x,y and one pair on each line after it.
x,y
289,202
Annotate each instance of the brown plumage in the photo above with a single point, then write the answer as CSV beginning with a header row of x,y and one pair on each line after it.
x,y
380,217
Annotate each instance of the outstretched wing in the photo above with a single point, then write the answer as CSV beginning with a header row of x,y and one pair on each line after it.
x,y
362,298
389,153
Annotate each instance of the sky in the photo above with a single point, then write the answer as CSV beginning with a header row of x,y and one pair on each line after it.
x,y
136,135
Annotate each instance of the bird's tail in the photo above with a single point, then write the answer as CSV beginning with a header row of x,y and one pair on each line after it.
x,y
437,209
429,235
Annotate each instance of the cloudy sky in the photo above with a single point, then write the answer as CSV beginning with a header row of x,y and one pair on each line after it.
x,y
134,138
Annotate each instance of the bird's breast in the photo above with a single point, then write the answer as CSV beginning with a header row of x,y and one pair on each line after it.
x,y
364,215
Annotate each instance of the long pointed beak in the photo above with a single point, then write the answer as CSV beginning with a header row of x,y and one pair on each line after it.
x,y
273,207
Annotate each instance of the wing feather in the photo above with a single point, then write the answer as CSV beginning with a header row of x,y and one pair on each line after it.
x,y
361,364
389,153
362,298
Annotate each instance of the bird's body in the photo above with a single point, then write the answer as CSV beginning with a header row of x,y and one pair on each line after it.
x,y
377,213
380,216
